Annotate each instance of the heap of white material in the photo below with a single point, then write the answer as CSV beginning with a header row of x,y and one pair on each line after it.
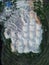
x,y
25,33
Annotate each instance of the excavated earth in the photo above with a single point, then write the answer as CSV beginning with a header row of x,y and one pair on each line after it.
x,y
9,58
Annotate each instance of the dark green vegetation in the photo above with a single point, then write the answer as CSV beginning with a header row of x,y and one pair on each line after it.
x,y
1,6
9,58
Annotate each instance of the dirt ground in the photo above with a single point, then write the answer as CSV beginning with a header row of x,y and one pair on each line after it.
x,y
9,58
